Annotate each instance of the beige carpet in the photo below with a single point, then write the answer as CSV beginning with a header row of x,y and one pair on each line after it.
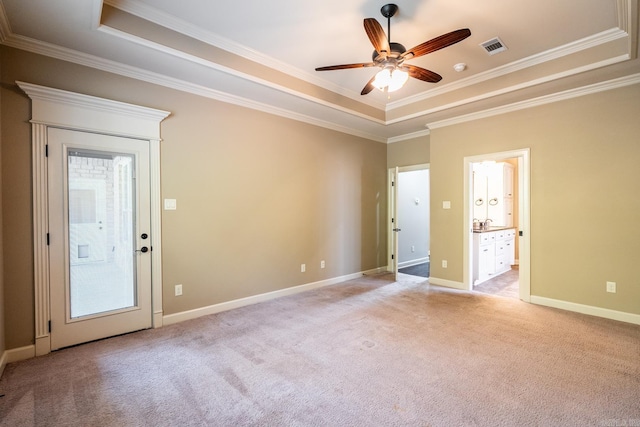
x,y
369,352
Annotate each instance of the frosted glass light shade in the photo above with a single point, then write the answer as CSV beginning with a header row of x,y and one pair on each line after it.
x,y
390,79
383,78
398,79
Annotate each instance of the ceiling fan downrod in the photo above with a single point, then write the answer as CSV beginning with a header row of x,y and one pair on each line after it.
x,y
388,10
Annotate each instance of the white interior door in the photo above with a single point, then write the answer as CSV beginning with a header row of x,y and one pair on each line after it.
x,y
99,224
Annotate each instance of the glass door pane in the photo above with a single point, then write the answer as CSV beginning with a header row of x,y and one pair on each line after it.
x,y
102,258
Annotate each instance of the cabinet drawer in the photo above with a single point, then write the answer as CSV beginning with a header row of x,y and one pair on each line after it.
x,y
486,238
502,263
501,248
510,233
500,235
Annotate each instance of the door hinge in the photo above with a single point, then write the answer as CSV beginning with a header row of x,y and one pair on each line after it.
x,y
47,239
49,326
520,233
393,184
393,220
392,256
46,150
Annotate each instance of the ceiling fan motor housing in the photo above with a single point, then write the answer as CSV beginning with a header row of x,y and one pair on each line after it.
x,y
396,50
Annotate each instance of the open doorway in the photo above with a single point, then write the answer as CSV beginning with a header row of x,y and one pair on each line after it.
x,y
412,219
496,223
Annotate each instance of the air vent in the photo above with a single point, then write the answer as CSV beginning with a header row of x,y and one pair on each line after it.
x,y
494,46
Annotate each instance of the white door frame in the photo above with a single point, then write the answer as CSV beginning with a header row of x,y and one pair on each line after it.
x,y
392,212
61,109
524,216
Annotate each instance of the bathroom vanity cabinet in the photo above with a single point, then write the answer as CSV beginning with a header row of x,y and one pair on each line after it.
x,y
493,252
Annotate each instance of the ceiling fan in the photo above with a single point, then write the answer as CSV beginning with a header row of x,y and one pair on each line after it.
x,y
390,56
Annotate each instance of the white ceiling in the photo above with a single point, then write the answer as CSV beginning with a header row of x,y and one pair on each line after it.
x,y
263,54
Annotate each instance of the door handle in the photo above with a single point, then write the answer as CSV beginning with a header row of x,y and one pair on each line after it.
x,y
397,229
143,249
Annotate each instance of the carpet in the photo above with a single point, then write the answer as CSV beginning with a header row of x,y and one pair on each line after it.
x,y
368,352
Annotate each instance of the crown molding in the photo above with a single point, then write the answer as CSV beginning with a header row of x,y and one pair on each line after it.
x,y
541,100
625,23
92,61
229,71
568,49
166,20
54,51
408,136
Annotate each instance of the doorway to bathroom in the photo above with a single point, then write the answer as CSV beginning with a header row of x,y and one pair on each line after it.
x,y
496,224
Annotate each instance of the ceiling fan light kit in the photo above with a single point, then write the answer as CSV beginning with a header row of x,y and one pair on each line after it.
x,y
390,56
390,78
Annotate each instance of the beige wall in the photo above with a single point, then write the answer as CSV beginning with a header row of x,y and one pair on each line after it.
x,y
409,152
257,194
585,187
2,328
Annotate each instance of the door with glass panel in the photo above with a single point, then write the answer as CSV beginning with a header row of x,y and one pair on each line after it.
x,y
99,243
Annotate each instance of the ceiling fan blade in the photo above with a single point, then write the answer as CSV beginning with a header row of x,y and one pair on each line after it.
x,y
369,86
377,36
437,43
423,74
346,66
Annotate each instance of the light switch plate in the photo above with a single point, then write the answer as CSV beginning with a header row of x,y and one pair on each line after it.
x,y
446,204
170,204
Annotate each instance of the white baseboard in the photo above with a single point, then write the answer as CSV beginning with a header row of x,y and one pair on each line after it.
x,y
170,319
587,309
447,283
16,355
413,262
3,362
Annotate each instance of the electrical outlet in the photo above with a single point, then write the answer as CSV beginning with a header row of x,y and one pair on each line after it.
x,y
322,264
444,263
303,268
611,287
178,290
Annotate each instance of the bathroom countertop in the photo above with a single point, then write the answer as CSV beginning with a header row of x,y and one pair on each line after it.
x,y
496,228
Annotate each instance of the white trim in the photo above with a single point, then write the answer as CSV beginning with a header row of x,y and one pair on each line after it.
x,y
587,309
588,42
16,355
57,108
625,21
411,168
447,283
170,319
235,73
53,51
156,231
524,217
171,22
541,100
3,362
60,108
406,136
412,262
20,353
